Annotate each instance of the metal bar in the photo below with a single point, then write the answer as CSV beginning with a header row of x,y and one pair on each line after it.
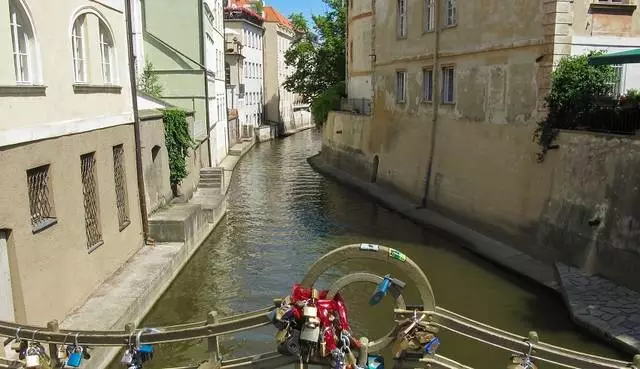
x,y
511,342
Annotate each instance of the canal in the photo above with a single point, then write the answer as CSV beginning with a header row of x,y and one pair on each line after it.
x,y
282,216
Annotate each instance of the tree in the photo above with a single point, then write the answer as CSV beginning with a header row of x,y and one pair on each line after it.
x,y
318,58
149,82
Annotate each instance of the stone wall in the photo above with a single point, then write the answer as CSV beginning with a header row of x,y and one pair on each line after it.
x,y
582,205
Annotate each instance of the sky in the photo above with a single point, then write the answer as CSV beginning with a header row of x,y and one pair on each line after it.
x,y
307,7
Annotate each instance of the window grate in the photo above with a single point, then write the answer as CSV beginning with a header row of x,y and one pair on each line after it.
x,y
120,185
90,195
40,204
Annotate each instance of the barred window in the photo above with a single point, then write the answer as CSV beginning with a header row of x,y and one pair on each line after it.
x,y
40,199
120,186
90,196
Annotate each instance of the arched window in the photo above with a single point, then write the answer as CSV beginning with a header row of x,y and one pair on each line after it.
x,y
107,54
79,44
24,44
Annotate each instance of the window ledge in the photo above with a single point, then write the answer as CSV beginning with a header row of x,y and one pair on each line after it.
x,y
611,8
428,31
124,225
82,88
445,27
96,246
44,224
23,90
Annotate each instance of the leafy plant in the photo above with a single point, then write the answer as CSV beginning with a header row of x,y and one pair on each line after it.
x,y
148,82
575,86
327,101
631,97
259,6
318,58
178,142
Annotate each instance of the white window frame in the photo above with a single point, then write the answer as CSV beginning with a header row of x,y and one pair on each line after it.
x,y
427,84
450,13
401,86
448,85
79,45
618,86
429,15
25,60
401,26
108,59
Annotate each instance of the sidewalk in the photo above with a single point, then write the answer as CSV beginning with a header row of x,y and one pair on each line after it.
x,y
129,294
601,306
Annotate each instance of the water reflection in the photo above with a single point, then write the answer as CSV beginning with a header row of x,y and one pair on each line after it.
x,y
283,216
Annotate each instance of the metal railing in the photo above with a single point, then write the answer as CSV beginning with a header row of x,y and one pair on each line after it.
x,y
216,326
356,106
602,118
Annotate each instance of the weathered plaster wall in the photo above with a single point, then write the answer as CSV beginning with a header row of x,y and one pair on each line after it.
x,y
360,49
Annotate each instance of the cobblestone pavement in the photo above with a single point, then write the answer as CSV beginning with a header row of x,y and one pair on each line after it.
x,y
602,306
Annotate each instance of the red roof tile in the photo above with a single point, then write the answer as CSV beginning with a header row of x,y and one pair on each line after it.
x,y
273,15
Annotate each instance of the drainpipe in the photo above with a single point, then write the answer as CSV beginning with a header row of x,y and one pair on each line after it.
x,y
436,101
206,78
136,123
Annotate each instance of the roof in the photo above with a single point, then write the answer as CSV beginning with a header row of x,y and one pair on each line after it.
x,y
244,6
622,57
273,15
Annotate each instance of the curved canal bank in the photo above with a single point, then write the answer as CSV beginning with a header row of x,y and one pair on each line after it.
x,y
282,216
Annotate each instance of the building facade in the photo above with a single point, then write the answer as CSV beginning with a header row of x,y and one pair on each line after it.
x,y
245,26
457,90
279,34
185,43
69,197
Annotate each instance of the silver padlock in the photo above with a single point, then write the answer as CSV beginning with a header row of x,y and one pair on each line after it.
x,y
310,311
33,357
310,334
127,358
62,352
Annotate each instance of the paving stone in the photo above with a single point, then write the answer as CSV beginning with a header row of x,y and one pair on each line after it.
x,y
606,316
617,320
611,310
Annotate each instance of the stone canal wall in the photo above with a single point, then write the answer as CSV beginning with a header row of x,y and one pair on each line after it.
x,y
581,205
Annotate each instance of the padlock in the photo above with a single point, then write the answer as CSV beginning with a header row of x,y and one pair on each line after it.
x,y
33,357
16,345
75,358
431,347
310,311
381,290
351,359
127,357
310,334
291,345
281,335
337,359
375,362
145,353
62,352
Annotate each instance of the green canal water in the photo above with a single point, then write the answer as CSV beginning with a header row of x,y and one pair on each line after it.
x,y
282,216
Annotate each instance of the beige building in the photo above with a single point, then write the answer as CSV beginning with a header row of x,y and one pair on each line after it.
x,y
70,213
457,88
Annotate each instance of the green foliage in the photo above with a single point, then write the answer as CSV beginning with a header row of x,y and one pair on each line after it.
x,y
327,101
318,58
575,87
178,141
632,97
149,82
259,6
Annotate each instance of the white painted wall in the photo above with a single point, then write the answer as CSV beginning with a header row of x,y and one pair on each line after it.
x,y
584,44
6,293
253,101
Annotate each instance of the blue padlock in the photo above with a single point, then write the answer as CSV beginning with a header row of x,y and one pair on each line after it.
x,y
432,346
381,290
75,358
375,362
147,349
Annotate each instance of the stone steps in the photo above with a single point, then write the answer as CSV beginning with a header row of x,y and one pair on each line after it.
x,y
211,178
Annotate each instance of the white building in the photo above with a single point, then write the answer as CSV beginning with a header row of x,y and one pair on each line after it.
x,y
216,90
245,25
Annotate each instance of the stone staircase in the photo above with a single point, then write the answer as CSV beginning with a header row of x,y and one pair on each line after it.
x,y
211,178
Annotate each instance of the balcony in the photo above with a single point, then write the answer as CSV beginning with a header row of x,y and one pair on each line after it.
x,y
625,7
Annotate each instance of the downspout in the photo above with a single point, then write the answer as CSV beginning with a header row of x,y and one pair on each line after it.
x,y
436,101
136,123
206,79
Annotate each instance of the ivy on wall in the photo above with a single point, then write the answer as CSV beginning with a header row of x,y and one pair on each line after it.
x,y
178,142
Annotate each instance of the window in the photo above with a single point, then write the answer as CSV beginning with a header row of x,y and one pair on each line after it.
x,y
209,14
120,186
40,199
401,86
616,85
107,54
429,15
79,49
427,84
450,13
90,196
227,73
402,18
448,85
23,41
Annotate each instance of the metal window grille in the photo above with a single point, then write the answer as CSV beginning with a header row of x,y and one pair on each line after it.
x,y
40,203
90,195
120,185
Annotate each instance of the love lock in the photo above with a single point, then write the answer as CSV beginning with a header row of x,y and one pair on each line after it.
x,y
75,354
387,285
33,357
523,361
